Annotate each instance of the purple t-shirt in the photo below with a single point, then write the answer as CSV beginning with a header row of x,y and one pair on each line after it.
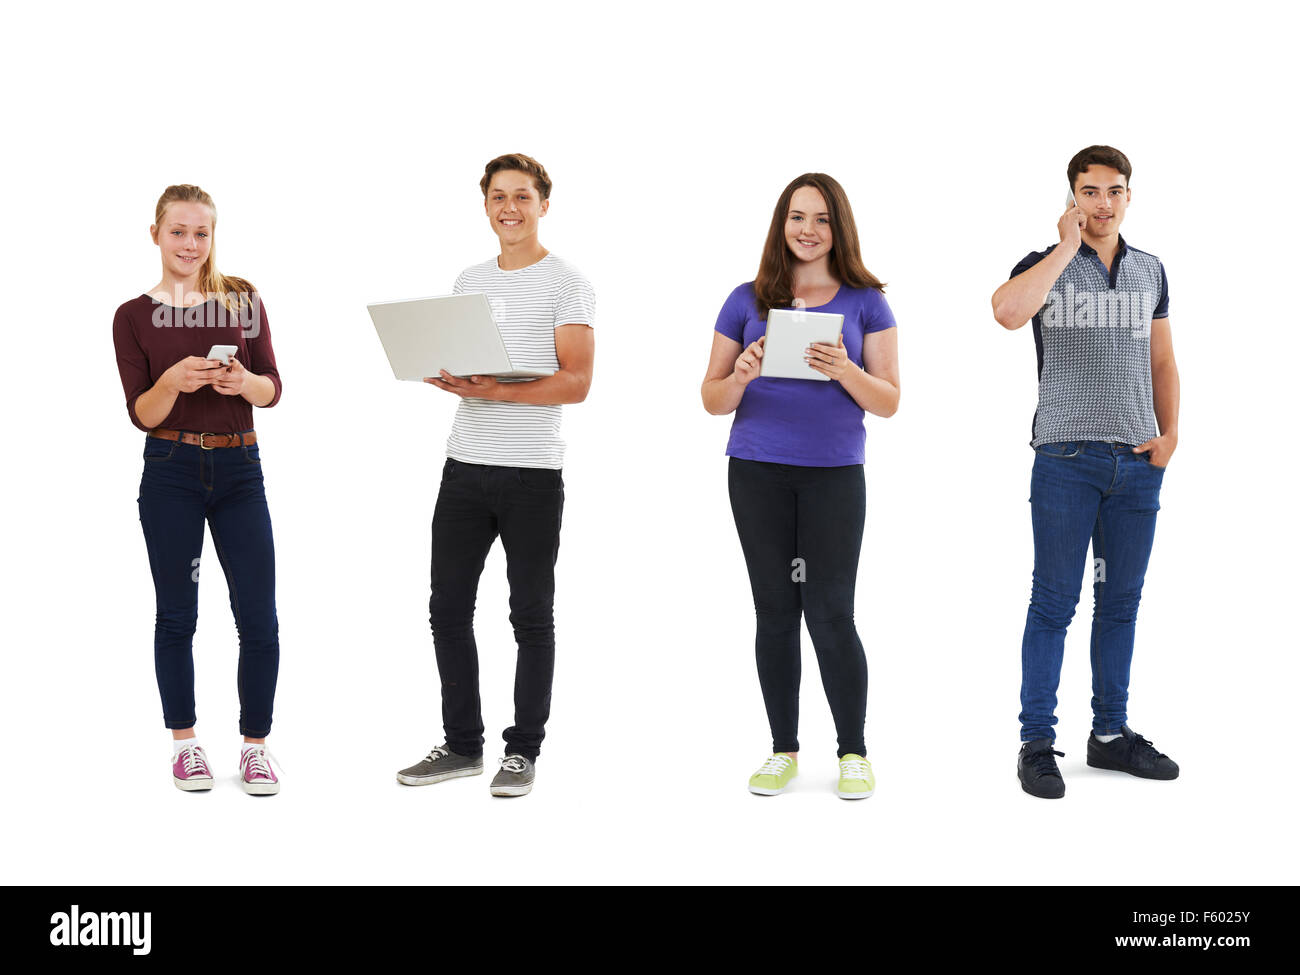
x,y
802,421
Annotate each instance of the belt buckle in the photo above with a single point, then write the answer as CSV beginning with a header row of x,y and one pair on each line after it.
x,y
203,446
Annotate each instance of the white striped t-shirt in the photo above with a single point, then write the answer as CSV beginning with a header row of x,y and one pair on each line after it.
x,y
529,304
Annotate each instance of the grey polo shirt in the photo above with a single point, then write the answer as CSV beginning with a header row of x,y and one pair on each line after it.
x,y
1093,337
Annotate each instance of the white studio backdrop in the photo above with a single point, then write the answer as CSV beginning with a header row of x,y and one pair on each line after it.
x,y
343,147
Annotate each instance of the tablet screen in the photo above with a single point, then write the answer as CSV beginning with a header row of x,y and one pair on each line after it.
x,y
789,332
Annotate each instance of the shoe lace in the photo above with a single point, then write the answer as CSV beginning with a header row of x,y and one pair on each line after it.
x,y
193,760
1140,745
775,765
853,768
440,751
256,761
514,763
1044,762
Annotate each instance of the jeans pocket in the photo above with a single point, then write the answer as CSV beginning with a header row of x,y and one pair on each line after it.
x,y
157,450
1063,449
251,454
540,478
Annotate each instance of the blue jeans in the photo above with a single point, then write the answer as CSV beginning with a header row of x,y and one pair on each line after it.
x,y
1080,492
183,486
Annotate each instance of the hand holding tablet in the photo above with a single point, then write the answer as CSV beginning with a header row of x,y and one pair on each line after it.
x,y
747,363
832,361
791,332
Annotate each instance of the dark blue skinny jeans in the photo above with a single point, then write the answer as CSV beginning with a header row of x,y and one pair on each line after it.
x,y
1081,492
184,486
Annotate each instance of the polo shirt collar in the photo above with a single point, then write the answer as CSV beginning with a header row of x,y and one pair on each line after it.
x,y
1123,246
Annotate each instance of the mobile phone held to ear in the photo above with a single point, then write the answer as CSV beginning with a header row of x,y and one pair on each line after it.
x,y
1069,201
222,353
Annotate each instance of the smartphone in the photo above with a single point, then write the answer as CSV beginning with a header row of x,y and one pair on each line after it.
x,y
223,353
1069,200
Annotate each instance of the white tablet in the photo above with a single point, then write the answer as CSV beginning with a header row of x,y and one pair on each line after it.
x,y
789,332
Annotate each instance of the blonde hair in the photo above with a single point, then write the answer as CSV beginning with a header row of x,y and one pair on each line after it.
x,y
232,292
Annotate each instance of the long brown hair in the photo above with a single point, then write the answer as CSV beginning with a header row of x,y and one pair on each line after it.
x,y
772,285
232,292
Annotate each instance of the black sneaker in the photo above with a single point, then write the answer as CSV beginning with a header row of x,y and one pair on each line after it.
x,y
1131,753
1037,769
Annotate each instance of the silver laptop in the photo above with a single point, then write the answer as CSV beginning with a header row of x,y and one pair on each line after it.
x,y
789,332
456,333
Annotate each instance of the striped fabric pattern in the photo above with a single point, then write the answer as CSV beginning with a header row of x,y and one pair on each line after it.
x,y
529,304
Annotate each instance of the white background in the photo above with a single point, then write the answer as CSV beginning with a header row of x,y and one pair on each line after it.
x,y
343,145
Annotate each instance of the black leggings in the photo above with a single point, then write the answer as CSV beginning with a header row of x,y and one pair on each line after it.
x,y
801,531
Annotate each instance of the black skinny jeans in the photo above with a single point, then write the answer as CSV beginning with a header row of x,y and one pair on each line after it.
x,y
476,503
798,521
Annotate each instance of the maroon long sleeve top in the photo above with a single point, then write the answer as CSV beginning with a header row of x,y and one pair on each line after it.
x,y
150,337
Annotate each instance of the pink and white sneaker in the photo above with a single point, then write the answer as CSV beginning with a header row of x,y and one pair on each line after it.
x,y
255,772
190,770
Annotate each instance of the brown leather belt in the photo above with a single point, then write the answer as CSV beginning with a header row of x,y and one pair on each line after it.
x,y
207,441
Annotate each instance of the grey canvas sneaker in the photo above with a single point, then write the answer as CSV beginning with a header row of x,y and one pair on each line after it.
x,y
438,766
514,778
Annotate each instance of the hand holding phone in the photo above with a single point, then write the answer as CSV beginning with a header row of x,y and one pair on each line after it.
x,y
190,374
1071,223
230,381
222,353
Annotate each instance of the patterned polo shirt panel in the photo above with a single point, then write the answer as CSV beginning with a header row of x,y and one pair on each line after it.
x,y
1093,337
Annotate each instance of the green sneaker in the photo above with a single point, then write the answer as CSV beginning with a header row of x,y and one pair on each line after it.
x,y
857,781
774,776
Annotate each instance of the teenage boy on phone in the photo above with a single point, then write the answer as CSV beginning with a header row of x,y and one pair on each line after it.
x,y
503,477
1105,428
